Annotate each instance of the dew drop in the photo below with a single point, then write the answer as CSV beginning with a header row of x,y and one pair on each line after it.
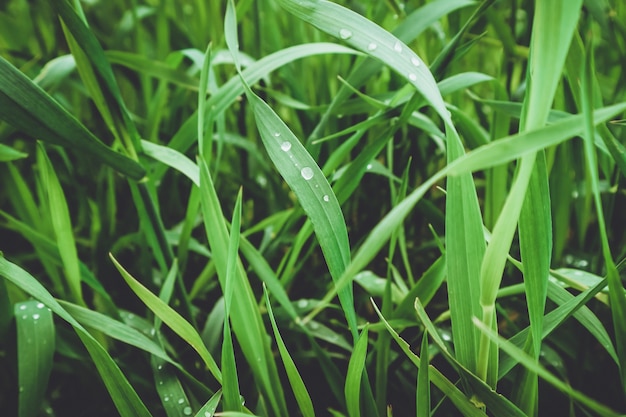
x,y
397,47
187,411
21,388
166,398
369,166
415,61
314,325
160,382
23,307
181,401
345,34
35,316
303,303
40,305
307,173
160,367
207,414
412,76
372,46
276,134
326,198
24,316
285,146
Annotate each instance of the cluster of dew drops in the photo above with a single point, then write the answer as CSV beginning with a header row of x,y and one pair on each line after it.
x,y
306,172
346,34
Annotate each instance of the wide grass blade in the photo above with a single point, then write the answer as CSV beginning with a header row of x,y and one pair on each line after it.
x,y
122,393
35,351
28,108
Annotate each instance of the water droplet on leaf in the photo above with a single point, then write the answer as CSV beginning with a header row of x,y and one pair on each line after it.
x,y
285,146
345,34
307,173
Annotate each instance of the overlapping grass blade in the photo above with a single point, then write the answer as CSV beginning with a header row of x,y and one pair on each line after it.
x,y
230,386
61,224
171,318
460,401
422,398
617,296
35,347
530,363
245,317
9,154
173,397
122,393
28,108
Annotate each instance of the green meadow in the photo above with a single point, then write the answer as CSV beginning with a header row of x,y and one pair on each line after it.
x,y
312,208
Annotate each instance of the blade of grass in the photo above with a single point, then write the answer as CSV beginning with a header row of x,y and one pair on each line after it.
x,y
617,296
422,397
307,181
245,317
171,318
295,380
534,366
356,365
230,387
35,347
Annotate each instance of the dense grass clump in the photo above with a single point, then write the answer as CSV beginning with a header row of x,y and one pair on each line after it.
x,y
282,207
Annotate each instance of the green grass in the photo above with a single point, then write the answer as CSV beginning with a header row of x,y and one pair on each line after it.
x,y
281,208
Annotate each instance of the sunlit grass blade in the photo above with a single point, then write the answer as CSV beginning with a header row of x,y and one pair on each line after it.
x,y
61,224
297,384
35,350
122,393
171,318
50,122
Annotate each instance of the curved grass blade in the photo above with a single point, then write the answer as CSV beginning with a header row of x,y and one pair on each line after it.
x,y
122,393
35,351
28,108
171,318
208,409
297,384
307,181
